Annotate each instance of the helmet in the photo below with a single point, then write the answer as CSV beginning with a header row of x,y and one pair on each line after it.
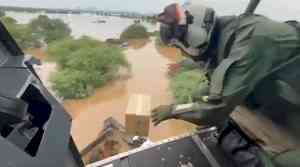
x,y
200,30
190,26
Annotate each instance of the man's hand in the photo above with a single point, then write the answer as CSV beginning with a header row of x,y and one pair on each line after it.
x,y
198,94
191,52
162,113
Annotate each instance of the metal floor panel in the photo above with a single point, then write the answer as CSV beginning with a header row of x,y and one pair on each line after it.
x,y
151,157
178,152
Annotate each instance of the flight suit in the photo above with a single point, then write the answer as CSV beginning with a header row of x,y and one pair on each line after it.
x,y
257,65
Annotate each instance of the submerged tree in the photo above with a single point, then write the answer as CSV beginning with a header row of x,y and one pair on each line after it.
x,y
135,31
49,30
85,64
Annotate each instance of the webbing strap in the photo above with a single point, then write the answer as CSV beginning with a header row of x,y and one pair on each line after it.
x,y
218,76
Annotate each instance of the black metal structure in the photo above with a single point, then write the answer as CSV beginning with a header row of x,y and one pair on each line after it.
x,y
34,128
196,150
252,6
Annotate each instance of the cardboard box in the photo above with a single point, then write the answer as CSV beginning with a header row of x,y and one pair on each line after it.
x,y
138,115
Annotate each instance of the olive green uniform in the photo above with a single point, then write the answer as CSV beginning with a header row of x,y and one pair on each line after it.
x,y
258,65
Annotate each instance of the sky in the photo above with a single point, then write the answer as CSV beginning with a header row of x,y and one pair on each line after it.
x,y
126,5
276,9
280,9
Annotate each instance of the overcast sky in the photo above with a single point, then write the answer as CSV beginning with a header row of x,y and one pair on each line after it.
x,y
281,9
128,5
276,9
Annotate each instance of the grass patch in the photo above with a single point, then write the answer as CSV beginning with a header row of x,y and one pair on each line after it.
x,y
38,32
186,82
135,31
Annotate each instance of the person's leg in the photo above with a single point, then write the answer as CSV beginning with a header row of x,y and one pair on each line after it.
x,y
239,148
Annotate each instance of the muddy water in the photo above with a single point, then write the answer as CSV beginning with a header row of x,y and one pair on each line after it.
x,y
148,76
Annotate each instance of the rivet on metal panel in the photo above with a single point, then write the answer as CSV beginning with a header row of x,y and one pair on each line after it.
x,y
181,156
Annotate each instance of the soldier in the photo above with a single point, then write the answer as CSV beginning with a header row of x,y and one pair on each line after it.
x,y
253,92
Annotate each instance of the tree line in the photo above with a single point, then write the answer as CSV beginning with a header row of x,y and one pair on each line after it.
x,y
38,32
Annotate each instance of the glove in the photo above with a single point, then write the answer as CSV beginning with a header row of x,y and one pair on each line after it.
x,y
202,113
162,113
203,90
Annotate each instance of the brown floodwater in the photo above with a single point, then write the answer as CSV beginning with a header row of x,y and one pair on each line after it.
x,y
149,68
148,76
137,43
170,53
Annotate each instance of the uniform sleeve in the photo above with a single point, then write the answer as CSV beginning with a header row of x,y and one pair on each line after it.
x,y
235,78
256,60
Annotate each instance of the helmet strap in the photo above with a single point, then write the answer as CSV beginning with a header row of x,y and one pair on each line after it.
x,y
208,19
189,18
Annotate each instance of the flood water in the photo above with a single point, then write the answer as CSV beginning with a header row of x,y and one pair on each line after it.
x,y
85,24
148,76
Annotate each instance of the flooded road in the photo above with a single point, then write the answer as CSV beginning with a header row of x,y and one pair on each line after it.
x,y
148,76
